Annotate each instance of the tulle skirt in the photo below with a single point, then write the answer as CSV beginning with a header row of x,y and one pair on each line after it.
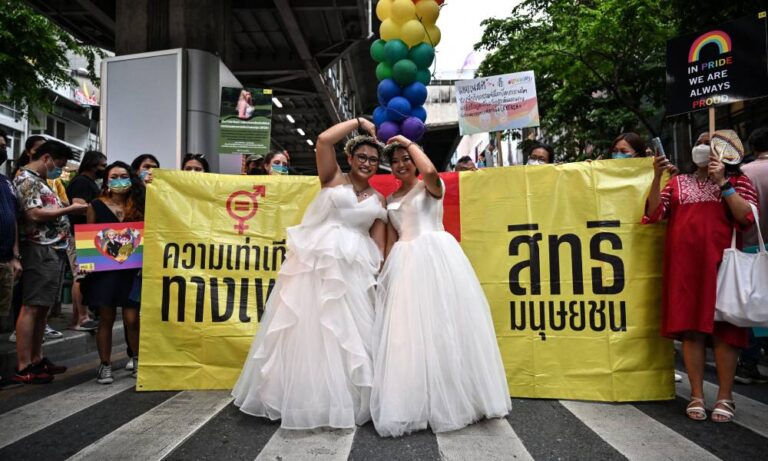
x,y
436,359
310,363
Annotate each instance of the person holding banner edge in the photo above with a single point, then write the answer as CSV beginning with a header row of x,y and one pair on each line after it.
x,y
310,362
436,359
702,209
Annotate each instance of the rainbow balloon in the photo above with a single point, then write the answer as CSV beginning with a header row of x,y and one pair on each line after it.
x,y
404,53
717,37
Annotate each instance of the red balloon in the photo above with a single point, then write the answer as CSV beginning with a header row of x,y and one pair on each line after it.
x,y
439,2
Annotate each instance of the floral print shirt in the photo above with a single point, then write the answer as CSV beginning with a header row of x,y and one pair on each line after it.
x,y
34,192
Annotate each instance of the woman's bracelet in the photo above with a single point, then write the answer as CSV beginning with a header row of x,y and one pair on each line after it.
x,y
728,192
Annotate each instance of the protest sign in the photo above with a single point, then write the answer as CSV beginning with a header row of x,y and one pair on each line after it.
x,y
245,121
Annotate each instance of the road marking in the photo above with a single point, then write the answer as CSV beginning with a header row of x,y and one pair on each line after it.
x,y
492,439
634,434
157,432
32,417
316,445
749,413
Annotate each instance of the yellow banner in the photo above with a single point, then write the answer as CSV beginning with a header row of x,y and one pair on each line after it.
x,y
213,247
572,277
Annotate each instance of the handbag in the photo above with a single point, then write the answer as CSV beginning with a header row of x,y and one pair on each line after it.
x,y
742,284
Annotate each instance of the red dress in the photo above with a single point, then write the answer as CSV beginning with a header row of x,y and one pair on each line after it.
x,y
700,227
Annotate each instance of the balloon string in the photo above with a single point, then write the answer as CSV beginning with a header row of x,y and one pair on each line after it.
x,y
431,43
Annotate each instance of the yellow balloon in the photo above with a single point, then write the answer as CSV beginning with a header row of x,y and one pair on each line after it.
x,y
403,11
412,32
433,35
427,11
384,9
389,30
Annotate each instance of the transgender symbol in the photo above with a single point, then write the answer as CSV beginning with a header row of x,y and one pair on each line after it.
x,y
243,205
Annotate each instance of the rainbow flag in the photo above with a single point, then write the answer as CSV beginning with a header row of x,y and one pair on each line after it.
x,y
109,246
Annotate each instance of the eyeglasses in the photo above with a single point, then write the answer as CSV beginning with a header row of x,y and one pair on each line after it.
x,y
362,158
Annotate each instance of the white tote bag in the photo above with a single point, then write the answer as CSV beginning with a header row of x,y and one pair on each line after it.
x,y
742,285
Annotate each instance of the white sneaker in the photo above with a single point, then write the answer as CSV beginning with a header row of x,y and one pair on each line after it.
x,y
130,365
678,377
135,367
51,333
105,374
12,337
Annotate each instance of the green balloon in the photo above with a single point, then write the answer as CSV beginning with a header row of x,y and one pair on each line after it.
x,y
395,50
404,72
383,70
377,50
423,76
422,54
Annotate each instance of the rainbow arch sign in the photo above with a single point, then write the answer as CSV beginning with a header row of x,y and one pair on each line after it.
x,y
725,64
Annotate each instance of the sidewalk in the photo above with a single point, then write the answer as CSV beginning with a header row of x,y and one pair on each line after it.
x,y
72,345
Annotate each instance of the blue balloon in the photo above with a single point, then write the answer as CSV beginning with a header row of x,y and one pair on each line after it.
x,y
419,112
379,115
398,108
415,93
387,90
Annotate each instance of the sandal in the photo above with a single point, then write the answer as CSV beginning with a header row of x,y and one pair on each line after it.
x,y
695,409
726,411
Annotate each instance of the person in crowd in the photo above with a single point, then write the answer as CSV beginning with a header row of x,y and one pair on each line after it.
x,y
44,234
702,209
541,154
244,107
10,259
757,171
436,359
83,188
310,362
465,163
195,162
276,162
481,160
628,145
120,201
255,165
143,165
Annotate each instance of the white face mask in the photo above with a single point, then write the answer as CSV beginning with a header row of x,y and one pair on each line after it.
x,y
700,155
535,161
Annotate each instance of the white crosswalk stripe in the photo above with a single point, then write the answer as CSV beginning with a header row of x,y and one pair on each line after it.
x,y
488,440
634,434
749,413
26,420
157,432
315,445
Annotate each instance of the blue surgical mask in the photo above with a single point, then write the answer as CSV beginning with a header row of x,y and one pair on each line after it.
x,y
54,173
617,155
143,175
119,185
280,169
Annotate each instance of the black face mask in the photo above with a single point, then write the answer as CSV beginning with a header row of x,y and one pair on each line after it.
x,y
253,171
3,154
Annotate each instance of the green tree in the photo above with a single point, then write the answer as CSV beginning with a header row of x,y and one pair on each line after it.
x,y
599,64
33,56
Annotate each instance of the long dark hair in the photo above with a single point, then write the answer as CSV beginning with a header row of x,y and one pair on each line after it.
x,y
90,161
136,163
198,157
134,204
634,140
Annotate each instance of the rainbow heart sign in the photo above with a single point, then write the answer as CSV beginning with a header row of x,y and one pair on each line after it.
x,y
496,103
109,246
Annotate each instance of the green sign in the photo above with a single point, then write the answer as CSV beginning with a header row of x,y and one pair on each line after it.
x,y
245,121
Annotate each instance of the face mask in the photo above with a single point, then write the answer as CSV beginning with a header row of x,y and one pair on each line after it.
x,y
53,173
3,154
99,182
535,161
620,155
119,185
700,155
143,175
280,169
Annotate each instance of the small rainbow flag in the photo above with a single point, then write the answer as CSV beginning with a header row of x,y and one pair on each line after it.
x,y
109,246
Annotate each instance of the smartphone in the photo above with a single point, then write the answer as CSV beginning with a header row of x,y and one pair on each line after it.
x,y
657,147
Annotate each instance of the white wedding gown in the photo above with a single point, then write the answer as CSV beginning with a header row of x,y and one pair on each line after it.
x,y
310,362
436,359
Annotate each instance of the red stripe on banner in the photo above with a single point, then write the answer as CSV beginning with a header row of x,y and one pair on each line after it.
x,y
387,184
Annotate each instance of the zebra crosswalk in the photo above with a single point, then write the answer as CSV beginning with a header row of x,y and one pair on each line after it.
x,y
88,421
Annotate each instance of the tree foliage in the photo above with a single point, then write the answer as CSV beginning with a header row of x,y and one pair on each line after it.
x,y
33,56
599,64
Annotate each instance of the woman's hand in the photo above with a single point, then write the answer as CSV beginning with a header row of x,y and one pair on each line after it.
x,y
716,170
660,164
400,139
367,126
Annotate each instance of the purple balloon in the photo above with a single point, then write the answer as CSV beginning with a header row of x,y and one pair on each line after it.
x,y
387,130
413,128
